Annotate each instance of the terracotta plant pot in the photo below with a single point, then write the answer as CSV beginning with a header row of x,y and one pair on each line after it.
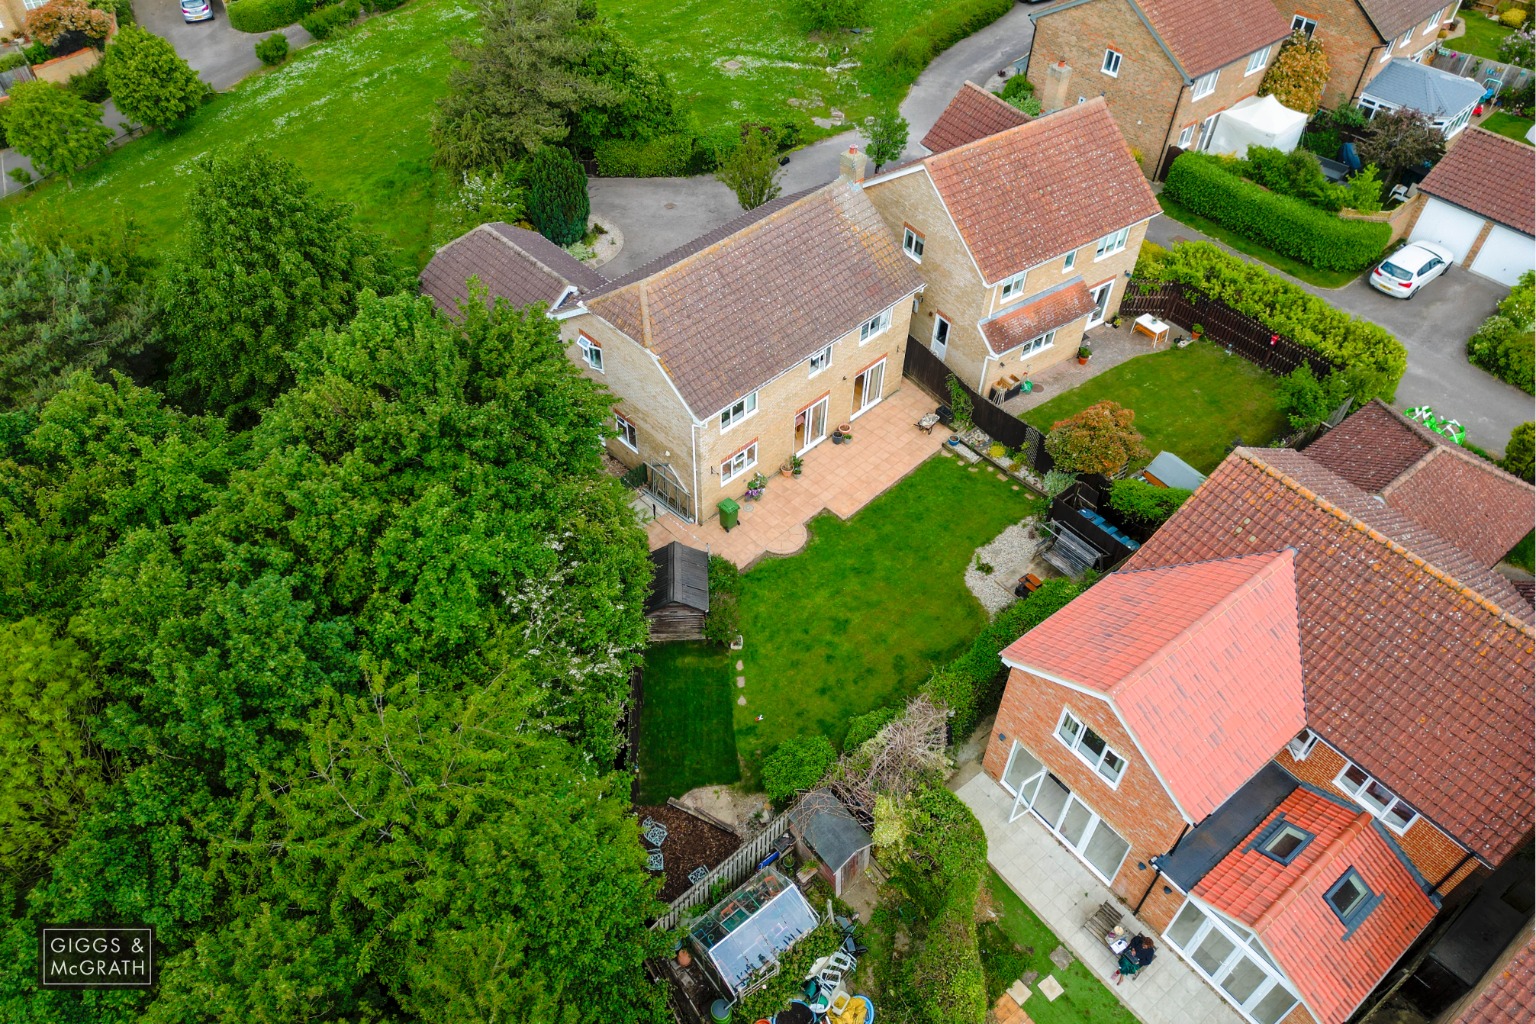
x,y
786,473
1082,360
684,958
844,428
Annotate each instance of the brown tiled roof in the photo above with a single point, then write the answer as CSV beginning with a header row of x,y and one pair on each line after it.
x,y
1394,17
1431,480
1415,665
1033,192
1045,312
973,114
1208,34
520,266
729,315
1489,175
1509,997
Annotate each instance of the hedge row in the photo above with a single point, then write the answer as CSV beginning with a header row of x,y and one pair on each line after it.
x,y
1505,344
1343,340
1289,226
696,151
323,21
266,15
919,44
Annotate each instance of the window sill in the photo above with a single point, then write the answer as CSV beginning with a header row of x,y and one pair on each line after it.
x,y
1116,252
910,256
1115,784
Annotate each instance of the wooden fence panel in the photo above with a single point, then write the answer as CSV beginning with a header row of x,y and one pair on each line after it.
x,y
735,869
1237,332
929,370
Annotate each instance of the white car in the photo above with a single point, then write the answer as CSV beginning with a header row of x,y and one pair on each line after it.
x,y
196,10
1402,274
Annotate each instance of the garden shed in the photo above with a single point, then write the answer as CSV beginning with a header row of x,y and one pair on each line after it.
x,y
743,936
1168,470
827,832
679,598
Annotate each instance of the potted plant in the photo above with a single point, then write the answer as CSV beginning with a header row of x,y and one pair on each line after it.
x,y
787,469
796,464
1115,321
1083,352
756,486
1197,331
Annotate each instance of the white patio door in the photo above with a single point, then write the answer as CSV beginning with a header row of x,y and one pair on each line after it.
x,y
868,388
1073,821
1234,960
811,427
940,337
1100,302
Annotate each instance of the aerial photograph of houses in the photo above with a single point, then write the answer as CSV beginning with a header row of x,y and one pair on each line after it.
x,y
804,512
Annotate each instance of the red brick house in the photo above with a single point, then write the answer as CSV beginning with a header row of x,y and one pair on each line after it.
x,y
1361,36
1335,591
1165,67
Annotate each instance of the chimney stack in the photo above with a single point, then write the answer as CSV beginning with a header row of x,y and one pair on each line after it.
x,y
853,165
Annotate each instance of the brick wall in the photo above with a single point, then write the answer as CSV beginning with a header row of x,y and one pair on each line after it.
x,y
1355,49
1139,809
1233,84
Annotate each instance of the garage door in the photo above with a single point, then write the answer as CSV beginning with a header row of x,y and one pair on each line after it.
x,y
1505,255
1449,225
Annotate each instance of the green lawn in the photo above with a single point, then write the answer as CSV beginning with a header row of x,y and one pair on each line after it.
x,y
1004,958
1297,269
1508,125
1482,37
854,622
1192,401
1524,554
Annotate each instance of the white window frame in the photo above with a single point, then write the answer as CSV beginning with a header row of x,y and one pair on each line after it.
x,y
743,408
912,244
1245,945
591,353
1257,62
626,431
1363,795
1204,85
824,358
1069,262
1013,288
1302,745
1097,763
1435,20
33,5
1111,244
1187,135
1113,58
874,326
1303,24
1024,797
743,460
1038,344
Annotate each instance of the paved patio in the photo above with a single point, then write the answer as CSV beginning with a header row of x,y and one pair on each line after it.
x,y
1061,889
841,478
1111,347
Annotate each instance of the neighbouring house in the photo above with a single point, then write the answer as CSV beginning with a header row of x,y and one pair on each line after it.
x,y
733,353
1478,204
679,600
973,113
826,831
1166,68
1298,719
1446,99
1024,238
1361,37
1506,995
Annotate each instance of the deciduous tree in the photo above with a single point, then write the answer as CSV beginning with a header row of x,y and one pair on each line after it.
x,y
1520,452
1396,140
887,137
1100,439
50,22
752,170
58,130
1298,74
150,84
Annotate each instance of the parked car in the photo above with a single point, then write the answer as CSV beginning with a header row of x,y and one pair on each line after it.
x,y
196,10
1402,274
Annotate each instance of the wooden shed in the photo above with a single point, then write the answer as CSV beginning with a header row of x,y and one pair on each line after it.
x,y
679,593
827,832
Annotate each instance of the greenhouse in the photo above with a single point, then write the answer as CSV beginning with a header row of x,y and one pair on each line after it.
x,y
744,934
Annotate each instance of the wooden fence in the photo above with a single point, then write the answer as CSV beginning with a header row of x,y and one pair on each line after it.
x,y
735,869
928,370
1237,332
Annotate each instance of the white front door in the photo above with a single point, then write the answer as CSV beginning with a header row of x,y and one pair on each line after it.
x,y
1101,296
868,388
811,427
940,337
1074,822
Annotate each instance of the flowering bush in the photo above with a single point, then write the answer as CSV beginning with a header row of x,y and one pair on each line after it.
x,y
1517,48
51,21
1100,439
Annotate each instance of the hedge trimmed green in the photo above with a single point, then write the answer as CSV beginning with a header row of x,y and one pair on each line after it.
x,y
322,22
1146,505
667,156
1505,344
266,15
797,764
918,45
1343,340
1315,237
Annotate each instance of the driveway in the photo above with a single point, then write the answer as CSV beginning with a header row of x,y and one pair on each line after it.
x,y
659,214
220,54
1434,327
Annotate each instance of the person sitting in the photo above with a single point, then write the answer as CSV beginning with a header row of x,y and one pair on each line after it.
x,y
1136,956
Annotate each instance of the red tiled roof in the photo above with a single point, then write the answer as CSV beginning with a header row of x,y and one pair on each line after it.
x,y
1413,658
973,114
1046,312
513,263
1508,996
1200,661
1208,34
1284,904
1489,175
1431,480
729,316
1031,193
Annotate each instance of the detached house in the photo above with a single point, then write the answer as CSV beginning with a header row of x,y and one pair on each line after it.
x,y
1298,718
1361,37
1024,238
1166,68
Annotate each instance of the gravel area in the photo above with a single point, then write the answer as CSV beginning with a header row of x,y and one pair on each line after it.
x,y
1010,554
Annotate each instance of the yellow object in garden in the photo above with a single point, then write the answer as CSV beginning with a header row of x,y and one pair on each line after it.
x,y
1514,17
854,1014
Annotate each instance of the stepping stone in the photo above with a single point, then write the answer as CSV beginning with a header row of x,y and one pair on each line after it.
x,y
974,468
1015,486
1019,991
1061,957
740,665
742,701
1030,977
741,682
1050,988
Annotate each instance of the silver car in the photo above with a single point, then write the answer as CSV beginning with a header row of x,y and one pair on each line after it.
x,y
196,10
1402,274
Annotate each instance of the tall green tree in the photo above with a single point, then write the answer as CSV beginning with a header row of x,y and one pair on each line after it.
x,y
265,260
150,84
1520,452
60,132
752,170
558,204
1397,140
887,137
